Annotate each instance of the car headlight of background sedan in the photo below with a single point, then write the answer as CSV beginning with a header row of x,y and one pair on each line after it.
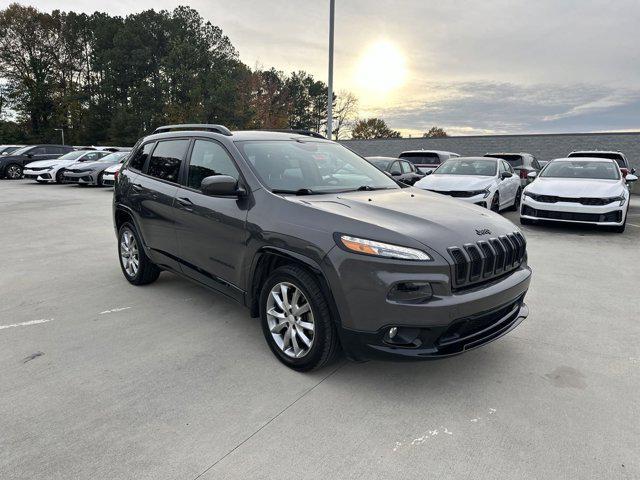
x,y
379,249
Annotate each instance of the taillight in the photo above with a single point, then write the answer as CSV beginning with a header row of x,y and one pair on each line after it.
x,y
523,173
115,175
624,171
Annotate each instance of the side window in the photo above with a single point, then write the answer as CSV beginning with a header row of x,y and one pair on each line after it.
x,y
166,160
38,151
535,163
503,166
509,168
406,168
395,167
91,156
138,159
208,159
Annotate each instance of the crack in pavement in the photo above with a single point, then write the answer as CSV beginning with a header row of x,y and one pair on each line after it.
x,y
342,364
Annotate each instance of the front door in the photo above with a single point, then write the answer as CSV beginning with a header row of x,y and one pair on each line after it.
x,y
211,231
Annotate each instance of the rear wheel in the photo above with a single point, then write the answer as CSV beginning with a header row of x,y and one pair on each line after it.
x,y
136,266
99,180
13,171
296,321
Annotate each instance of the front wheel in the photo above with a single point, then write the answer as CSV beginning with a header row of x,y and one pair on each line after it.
x,y
99,180
516,202
495,203
136,266
296,320
13,171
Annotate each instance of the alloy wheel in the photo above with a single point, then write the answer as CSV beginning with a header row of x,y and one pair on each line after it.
x,y
14,172
290,320
495,203
129,254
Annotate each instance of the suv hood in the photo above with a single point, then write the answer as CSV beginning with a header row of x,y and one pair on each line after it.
x,y
454,182
434,220
576,187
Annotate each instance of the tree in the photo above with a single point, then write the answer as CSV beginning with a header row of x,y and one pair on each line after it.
x,y
373,128
435,132
344,114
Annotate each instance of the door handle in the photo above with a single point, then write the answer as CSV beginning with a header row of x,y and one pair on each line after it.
x,y
185,203
136,187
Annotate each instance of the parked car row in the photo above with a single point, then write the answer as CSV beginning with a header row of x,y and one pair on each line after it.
x,y
59,163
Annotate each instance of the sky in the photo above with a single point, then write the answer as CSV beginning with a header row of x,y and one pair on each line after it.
x,y
471,67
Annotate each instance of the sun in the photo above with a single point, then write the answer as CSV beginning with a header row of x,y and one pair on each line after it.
x,y
381,68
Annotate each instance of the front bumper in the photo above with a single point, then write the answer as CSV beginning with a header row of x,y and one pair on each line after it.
x,y
361,286
608,215
108,179
37,175
79,177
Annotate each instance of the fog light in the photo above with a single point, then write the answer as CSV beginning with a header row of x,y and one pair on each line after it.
x,y
393,331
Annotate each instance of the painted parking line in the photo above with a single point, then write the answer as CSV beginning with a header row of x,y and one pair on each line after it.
x,y
633,225
26,324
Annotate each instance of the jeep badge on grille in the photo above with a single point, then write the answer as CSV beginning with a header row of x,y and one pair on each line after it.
x,y
484,231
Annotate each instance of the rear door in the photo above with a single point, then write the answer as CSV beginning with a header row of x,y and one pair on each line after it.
x,y
211,231
154,191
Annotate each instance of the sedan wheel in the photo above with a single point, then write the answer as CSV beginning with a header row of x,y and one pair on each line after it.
x,y
13,172
290,320
495,203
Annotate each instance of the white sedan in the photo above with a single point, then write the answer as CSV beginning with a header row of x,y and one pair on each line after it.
x,y
44,171
488,182
110,174
579,190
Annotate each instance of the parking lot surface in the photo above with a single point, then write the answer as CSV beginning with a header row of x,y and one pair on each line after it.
x,y
104,380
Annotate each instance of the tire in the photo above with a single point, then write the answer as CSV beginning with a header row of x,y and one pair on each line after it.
x,y
41,181
323,337
146,271
495,203
13,171
82,185
99,180
60,176
516,203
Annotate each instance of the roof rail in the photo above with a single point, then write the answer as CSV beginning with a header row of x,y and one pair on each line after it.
x,y
195,126
307,133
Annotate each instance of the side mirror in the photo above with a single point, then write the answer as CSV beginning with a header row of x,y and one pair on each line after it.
x,y
631,178
633,170
428,171
532,175
29,155
506,175
396,173
221,185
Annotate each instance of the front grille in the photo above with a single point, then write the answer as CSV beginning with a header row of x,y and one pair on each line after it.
x,y
487,259
615,216
37,169
582,200
456,193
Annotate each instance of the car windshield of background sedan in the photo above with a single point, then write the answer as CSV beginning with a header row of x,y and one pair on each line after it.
x,y
22,151
381,164
113,157
72,155
306,167
612,156
461,166
590,170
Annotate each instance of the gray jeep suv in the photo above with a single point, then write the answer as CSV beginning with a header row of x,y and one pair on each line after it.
x,y
323,247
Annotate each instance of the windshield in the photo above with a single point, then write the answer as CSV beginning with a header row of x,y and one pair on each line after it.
x,y
421,158
463,166
21,151
72,155
612,156
381,164
582,169
514,160
114,157
312,167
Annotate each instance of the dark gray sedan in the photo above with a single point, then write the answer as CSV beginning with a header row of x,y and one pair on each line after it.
x,y
90,173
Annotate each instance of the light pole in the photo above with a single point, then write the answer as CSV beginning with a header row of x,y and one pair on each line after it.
x,y
61,130
332,11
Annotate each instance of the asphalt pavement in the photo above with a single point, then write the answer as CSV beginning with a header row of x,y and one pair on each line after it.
x,y
104,380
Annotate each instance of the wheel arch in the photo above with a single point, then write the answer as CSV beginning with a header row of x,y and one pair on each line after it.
x,y
267,259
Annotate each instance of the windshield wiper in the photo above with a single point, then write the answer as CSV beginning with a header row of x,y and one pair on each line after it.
x,y
300,191
368,188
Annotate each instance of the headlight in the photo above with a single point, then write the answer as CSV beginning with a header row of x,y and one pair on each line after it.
x,y
486,192
529,194
622,199
379,249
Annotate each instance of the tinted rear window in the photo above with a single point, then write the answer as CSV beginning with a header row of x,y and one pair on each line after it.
x,y
166,160
138,159
612,156
421,158
514,160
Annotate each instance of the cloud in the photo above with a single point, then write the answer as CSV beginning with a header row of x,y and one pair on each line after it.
x,y
498,107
